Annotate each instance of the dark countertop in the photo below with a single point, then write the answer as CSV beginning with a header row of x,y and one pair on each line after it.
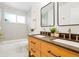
x,y
50,40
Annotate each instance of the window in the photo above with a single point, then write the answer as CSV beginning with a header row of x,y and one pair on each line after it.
x,y
13,18
21,19
10,17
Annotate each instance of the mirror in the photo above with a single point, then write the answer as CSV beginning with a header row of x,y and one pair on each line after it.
x,y
47,15
68,13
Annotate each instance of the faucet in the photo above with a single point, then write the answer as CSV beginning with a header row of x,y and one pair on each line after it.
x,y
69,33
64,36
77,38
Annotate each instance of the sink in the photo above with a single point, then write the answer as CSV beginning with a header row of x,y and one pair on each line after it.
x,y
40,36
70,43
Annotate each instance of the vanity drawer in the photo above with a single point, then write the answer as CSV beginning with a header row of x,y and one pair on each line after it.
x,y
45,53
34,52
31,52
45,50
34,43
68,53
51,50
62,52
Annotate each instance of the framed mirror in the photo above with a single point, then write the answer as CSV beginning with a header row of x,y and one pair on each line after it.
x,y
48,15
68,13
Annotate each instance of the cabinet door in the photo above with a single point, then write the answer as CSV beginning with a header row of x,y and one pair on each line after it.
x,y
30,43
35,43
34,46
62,52
45,50
34,52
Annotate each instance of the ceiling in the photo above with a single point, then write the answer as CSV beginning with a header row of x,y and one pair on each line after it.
x,y
24,6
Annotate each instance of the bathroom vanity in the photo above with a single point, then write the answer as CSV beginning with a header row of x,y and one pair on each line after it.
x,y
67,44
47,46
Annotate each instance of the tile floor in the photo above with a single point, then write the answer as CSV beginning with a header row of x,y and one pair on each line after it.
x,y
14,48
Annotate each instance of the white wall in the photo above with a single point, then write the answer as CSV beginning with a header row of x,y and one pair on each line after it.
x,y
36,14
34,18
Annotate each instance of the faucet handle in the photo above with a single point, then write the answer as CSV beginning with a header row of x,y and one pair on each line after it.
x,y
64,36
77,38
70,33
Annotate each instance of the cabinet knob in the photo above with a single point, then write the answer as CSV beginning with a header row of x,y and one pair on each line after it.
x,y
33,42
33,50
53,54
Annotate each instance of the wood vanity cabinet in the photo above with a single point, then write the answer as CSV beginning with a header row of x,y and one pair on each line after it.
x,y
34,47
40,48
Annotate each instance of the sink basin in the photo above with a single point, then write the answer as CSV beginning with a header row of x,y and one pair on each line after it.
x,y
70,43
40,36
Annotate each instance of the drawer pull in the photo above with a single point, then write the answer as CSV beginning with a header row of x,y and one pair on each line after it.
x,y
33,42
33,50
53,54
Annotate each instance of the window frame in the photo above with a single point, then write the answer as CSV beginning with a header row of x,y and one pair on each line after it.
x,y
5,13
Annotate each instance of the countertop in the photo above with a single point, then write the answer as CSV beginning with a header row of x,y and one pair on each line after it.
x,y
50,40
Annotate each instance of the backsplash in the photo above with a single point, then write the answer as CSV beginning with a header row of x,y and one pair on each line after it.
x,y
74,37
45,33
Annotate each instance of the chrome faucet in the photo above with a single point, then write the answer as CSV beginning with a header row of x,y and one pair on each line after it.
x,y
69,33
64,36
77,38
